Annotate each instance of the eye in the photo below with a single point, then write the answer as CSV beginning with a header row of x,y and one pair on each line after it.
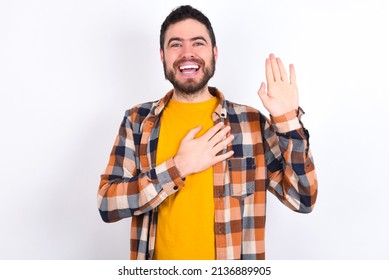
x,y
198,44
175,45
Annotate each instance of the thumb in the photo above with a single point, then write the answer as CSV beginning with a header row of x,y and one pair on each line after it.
x,y
192,133
261,92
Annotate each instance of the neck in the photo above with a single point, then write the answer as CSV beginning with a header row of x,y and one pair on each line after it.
x,y
199,96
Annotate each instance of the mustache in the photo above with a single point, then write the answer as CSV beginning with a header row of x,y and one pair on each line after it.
x,y
199,61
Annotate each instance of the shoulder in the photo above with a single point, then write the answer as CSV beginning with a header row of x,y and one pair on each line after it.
x,y
240,107
140,111
243,112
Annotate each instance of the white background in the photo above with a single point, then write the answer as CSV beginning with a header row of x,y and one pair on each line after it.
x,y
69,70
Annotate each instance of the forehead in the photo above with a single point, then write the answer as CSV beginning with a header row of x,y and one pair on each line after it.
x,y
187,29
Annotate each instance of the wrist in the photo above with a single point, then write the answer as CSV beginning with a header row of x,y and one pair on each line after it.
x,y
180,167
288,121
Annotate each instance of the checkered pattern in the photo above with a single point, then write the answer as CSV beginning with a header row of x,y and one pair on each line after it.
x,y
269,155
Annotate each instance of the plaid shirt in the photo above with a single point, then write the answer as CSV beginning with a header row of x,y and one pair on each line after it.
x,y
269,155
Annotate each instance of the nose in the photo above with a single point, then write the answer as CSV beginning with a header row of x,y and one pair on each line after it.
x,y
187,51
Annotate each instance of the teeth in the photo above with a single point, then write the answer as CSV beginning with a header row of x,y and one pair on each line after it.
x,y
189,67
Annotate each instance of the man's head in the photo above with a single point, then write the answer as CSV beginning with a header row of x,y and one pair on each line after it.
x,y
182,13
188,49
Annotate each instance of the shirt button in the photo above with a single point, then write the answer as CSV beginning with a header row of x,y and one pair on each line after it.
x,y
175,188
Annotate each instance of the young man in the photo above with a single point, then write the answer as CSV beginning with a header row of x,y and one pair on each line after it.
x,y
192,169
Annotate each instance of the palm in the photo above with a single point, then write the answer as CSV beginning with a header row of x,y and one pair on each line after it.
x,y
282,94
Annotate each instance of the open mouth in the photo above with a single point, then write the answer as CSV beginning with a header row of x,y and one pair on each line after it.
x,y
189,68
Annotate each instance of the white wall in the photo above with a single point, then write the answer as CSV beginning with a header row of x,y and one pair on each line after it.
x,y
69,70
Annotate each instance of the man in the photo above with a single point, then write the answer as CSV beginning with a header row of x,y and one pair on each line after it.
x,y
192,169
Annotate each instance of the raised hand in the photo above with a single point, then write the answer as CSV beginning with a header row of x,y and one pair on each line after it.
x,y
282,95
197,154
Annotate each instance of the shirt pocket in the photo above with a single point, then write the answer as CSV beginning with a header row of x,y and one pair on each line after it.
x,y
242,176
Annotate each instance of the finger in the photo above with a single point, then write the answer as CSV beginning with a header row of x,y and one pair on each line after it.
x,y
292,74
262,92
192,133
223,144
283,73
212,131
274,67
222,157
219,136
269,71
262,89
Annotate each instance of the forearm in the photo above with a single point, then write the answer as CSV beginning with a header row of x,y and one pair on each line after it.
x,y
121,197
291,170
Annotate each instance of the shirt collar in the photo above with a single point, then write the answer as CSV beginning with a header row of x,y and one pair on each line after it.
x,y
219,113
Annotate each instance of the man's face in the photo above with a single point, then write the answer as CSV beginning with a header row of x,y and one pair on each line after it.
x,y
188,57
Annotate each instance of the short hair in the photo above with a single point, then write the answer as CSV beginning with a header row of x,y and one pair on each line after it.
x,y
182,13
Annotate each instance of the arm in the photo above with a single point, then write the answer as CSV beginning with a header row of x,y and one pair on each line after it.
x,y
290,166
291,171
124,190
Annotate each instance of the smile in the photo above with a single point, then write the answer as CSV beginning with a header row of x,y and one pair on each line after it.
x,y
189,68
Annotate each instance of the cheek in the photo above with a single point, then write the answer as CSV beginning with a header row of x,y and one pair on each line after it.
x,y
207,56
170,58
169,62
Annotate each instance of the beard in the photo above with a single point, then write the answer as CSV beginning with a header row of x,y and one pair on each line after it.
x,y
190,86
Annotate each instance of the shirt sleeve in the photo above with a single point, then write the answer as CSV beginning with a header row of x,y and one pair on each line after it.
x,y
124,190
291,169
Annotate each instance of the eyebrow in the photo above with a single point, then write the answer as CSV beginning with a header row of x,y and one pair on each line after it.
x,y
182,39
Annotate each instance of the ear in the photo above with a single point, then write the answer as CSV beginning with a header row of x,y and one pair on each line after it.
x,y
161,55
215,52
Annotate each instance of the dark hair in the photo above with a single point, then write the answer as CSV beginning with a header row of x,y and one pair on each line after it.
x,y
182,13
